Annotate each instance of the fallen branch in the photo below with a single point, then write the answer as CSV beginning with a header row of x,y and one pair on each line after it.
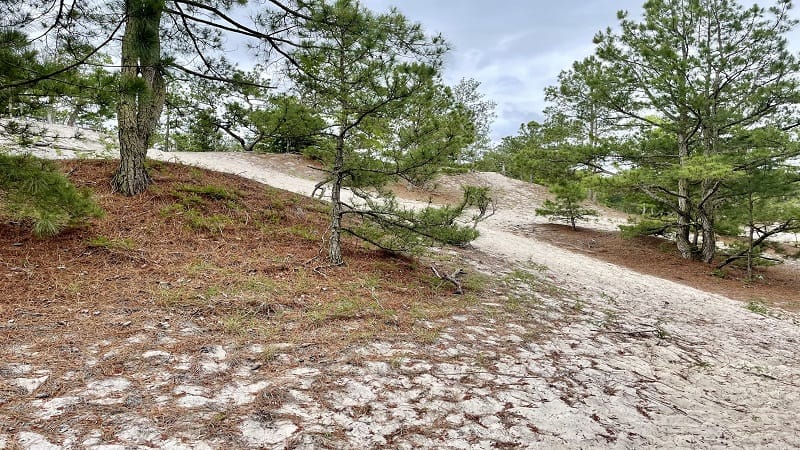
x,y
626,332
318,270
630,333
452,278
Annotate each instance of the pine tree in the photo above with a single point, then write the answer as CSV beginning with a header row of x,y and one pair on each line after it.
x,y
696,70
567,206
764,198
375,79
192,41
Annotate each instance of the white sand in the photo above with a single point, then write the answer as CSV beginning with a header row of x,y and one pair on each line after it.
x,y
638,361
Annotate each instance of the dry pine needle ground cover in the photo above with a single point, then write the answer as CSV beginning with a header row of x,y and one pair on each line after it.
x,y
774,285
237,257
243,259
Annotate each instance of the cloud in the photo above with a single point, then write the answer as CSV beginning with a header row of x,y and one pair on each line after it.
x,y
511,116
515,48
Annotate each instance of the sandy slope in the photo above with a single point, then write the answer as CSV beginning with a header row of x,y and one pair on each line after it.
x,y
724,376
633,362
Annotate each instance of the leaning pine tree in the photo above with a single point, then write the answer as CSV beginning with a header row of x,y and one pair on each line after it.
x,y
375,79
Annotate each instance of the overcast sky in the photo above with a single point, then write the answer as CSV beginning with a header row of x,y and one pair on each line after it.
x,y
516,48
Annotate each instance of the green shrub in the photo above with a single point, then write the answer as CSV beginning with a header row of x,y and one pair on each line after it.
x,y
33,190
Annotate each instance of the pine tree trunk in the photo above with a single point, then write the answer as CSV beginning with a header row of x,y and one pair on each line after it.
x,y
750,255
131,177
685,246
73,115
709,248
335,244
711,137
682,235
751,225
142,93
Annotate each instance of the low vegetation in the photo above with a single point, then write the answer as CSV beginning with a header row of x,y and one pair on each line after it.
x,y
223,250
38,195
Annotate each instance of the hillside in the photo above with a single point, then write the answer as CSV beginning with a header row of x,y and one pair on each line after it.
x,y
208,245
516,203
196,316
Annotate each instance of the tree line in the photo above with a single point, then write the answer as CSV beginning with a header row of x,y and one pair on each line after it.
x,y
686,115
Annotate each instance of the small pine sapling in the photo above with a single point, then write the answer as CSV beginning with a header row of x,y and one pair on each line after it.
x,y
567,206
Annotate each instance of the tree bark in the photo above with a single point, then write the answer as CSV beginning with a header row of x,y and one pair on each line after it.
x,y
77,109
682,235
709,245
131,176
335,244
711,137
142,93
751,225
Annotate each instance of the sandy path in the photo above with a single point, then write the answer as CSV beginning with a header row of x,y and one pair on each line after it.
x,y
720,375
607,359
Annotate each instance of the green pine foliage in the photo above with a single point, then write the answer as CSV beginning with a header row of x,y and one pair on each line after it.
x,y
568,205
16,54
375,80
689,77
34,191
646,227
679,116
763,200
84,95
395,228
286,126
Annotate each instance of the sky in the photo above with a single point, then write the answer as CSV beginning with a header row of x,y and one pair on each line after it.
x,y
514,48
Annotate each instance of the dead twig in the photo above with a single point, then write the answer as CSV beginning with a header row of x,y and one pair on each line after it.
x,y
630,333
452,278
318,270
486,372
321,249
